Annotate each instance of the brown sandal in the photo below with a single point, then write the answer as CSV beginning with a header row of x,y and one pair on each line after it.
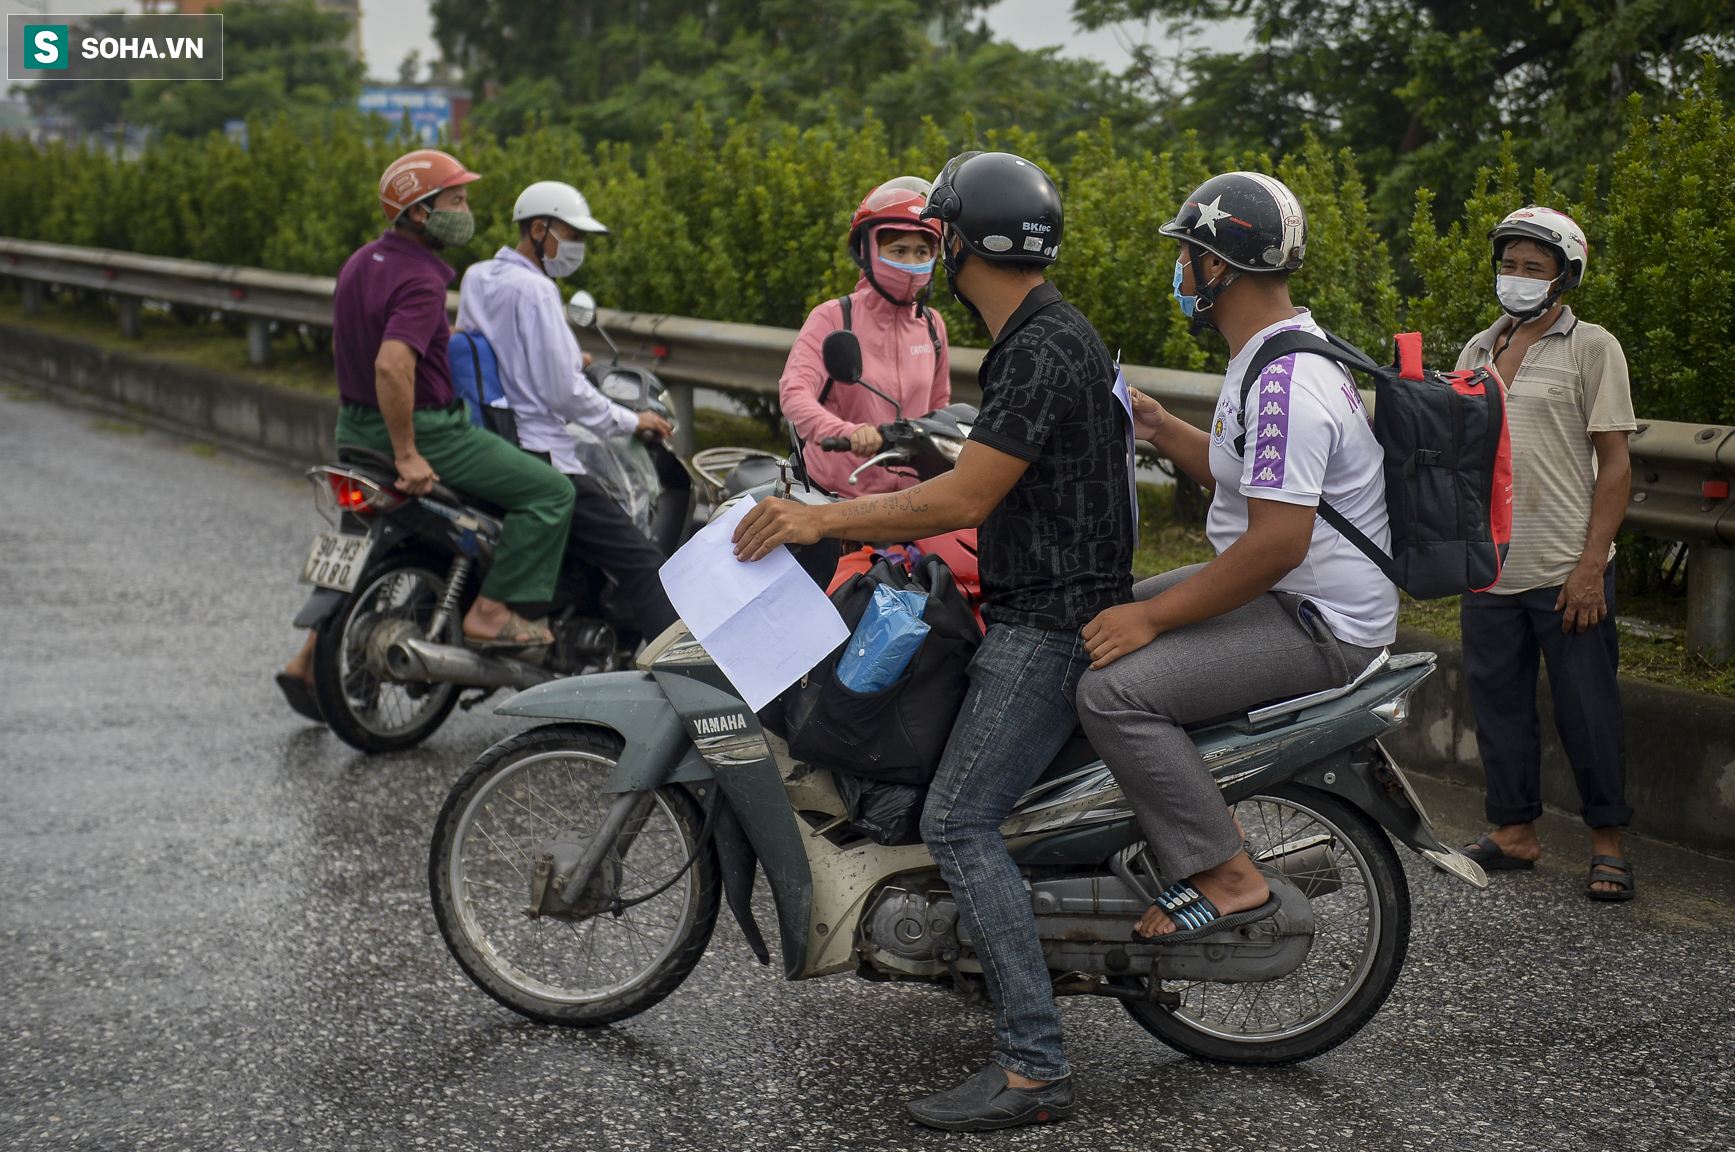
x,y
507,637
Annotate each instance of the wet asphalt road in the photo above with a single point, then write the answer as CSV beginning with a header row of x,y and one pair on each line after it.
x,y
215,929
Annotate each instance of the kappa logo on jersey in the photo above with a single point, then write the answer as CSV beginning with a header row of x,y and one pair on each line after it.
x,y
1270,432
718,725
1273,386
1272,409
1275,370
1265,474
1270,453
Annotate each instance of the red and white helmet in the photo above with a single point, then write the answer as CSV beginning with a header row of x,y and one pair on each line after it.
x,y
896,203
418,175
1553,230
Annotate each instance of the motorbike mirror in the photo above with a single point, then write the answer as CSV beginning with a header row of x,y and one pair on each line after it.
x,y
842,354
581,309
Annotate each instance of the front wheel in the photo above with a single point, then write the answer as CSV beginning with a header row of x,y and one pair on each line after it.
x,y
1361,909
362,703
620,953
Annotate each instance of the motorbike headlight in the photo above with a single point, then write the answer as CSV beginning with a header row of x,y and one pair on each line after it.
x,y
621,386
1396,710
949,448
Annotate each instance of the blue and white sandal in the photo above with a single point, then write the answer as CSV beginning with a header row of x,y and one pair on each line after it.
x,y
1196,917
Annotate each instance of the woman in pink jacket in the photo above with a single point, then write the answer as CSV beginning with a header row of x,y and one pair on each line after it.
x,y
903,342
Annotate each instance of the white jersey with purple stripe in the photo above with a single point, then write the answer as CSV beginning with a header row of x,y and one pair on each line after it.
x,y
1308,437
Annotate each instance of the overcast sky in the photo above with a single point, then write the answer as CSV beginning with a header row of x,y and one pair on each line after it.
x,y
392,28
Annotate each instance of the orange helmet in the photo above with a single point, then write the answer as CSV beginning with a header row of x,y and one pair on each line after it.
x,y
417,176
897,204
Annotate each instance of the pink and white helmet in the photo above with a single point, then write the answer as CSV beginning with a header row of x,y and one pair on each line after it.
x,y
1551,229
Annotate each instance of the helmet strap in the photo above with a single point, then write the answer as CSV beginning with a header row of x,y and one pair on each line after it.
x,y
420,228
1206,294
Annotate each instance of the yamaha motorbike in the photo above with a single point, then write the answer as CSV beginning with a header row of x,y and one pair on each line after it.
x,y
395,575
578,868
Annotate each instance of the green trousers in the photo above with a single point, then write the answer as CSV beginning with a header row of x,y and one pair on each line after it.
x,y
537,499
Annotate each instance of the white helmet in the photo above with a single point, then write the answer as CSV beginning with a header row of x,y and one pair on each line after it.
x,y
561,201
1553,230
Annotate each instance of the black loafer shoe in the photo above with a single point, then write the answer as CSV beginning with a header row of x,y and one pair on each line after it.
x,y
986,1101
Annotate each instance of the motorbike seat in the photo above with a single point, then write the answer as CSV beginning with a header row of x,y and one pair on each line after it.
x,y
358,454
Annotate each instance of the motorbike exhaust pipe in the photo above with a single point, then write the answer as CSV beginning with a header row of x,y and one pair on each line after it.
x,y
415,659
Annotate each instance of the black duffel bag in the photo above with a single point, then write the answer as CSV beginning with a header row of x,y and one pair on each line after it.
x,y
895,735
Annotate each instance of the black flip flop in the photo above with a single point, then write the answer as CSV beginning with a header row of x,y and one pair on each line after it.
x,y
1493,859
300,696
1610,870
1195,917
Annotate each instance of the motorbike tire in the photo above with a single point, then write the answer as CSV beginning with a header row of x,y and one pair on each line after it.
x,y
1391,944
435,702
487,964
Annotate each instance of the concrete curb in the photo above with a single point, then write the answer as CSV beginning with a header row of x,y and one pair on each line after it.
x,y
1680,750
1680,744
256,418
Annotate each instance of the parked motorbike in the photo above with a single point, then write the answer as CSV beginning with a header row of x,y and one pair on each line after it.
x,y
577,868
396,574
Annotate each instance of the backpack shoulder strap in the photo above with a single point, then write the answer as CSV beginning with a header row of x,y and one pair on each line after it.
x,y
845,303
1286,344
933,334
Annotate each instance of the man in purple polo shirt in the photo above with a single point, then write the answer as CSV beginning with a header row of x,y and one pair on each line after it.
x,y
389,335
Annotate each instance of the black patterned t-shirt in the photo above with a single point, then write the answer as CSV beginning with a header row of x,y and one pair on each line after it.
x,y
1058,548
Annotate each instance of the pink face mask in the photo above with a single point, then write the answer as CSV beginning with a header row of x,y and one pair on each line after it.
x,y
899,281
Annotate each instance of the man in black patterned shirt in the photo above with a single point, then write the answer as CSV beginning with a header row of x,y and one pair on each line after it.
x,y
1047,477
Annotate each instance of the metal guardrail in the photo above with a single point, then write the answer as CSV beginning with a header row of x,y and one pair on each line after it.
x,y
1681,472
684,351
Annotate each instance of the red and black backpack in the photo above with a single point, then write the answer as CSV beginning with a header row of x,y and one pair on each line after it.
x,y
1448,464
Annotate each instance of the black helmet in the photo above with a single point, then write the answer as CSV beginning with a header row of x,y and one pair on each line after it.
x,y
1250,220
1004,208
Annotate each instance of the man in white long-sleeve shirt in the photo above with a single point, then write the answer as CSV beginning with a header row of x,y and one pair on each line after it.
x,y
514,302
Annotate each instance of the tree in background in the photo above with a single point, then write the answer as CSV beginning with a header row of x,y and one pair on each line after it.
x,y
1424,91
280,56
620,71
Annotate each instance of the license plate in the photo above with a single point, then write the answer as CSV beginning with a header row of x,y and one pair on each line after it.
x,y
336,560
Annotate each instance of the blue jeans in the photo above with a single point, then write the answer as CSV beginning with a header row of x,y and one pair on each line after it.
x,y
1015,718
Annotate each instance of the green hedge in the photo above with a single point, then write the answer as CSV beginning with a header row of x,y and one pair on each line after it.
x,y
745,221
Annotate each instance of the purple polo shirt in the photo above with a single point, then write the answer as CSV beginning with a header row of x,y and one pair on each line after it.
x,y
391,289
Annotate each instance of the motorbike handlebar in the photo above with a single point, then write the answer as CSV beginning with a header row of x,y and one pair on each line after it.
x,y
834,443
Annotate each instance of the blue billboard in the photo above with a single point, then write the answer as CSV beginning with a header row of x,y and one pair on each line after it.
x,y
429,109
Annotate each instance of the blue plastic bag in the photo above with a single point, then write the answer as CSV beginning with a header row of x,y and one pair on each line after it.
x,y
885,641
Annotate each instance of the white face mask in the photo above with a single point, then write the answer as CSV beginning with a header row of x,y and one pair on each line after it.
x,y
568,255
1521,296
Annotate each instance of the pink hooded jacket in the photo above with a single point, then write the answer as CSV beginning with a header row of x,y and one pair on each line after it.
x,y
897,358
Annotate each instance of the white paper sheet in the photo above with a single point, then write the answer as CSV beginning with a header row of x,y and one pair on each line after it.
x,y
765,624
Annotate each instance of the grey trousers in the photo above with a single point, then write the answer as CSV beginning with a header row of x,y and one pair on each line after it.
x,y
1134,709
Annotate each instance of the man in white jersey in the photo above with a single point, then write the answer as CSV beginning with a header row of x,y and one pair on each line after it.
x,y
1289,606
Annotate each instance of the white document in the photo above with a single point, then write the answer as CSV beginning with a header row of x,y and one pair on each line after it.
x,y
766,624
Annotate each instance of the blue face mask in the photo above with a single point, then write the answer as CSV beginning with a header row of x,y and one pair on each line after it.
x,y
1187,303
912,269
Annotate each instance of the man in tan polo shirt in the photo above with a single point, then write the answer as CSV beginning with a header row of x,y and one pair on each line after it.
x,y
1570,406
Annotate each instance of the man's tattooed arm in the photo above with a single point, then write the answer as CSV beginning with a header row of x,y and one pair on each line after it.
x,y
909,500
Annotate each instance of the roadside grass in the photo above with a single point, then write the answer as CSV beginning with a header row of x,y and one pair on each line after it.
x,y
203,342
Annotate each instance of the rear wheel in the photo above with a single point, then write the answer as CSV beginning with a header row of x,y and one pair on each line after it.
x,y
1361,907
579,970
366,707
